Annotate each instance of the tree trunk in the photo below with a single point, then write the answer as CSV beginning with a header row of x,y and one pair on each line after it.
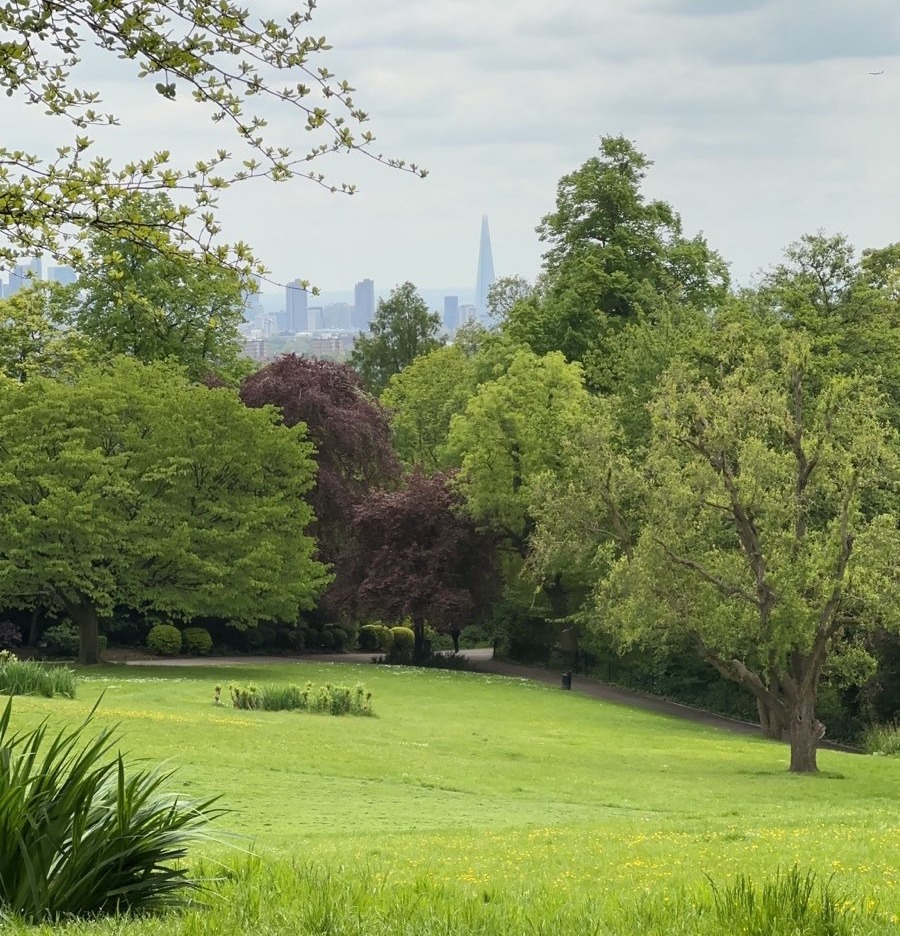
x,y
773,720
805,730
85,617
419,646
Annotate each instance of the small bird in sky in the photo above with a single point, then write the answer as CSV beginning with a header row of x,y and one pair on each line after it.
x,y
877,73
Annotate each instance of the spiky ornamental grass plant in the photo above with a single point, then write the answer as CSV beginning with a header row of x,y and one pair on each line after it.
x,y
81,833
28,677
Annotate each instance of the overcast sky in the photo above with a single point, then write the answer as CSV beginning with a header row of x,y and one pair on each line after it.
x,y
760,115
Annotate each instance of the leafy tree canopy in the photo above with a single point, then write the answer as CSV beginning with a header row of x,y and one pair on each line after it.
x,y
153,304
611,253
764,538
416,554
215,53
511,431
36,337
132,486
423,398
401,330
348,427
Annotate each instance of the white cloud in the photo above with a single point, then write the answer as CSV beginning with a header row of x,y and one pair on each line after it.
x,y
761,118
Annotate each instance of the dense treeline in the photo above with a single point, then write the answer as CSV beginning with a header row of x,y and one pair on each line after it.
x,y
638,468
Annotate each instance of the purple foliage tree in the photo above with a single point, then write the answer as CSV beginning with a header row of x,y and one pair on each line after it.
x,y
415,554
349,428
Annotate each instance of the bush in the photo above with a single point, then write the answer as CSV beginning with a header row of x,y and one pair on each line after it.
x,y
164,639
340,636
326,640
367,637
882,739
28,677
10,638
328,699
385,638
81,834
404,642
62,640
197,640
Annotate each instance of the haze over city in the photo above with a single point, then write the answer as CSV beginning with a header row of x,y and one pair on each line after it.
x,y
763,119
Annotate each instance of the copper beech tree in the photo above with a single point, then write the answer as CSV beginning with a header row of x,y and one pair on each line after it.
x,y
349,429
415,555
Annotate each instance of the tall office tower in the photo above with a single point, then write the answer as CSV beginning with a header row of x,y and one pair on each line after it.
x,y
64,275
296,307
451,313
22,274
363,304
485,274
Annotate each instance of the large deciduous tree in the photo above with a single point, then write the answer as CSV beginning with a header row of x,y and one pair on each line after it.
x,y
348,427
611,253
510,435
216,54
416,554
401,330
423,398
147,301
36,337
767,536
131,486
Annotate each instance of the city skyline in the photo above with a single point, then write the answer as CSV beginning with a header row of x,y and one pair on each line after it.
x,y
761,130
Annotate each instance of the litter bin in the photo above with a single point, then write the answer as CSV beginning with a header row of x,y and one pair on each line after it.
x,y
567,680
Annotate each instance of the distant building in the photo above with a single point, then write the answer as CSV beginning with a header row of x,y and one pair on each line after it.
x,y
336,317
22,274
451,313
314,319
363,305
64,275
485,274
467,313
331,345
296,307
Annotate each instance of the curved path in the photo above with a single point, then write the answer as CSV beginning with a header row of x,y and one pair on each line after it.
x,y
482,661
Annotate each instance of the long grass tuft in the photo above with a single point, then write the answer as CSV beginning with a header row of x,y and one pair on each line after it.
x,y
28,677
882,739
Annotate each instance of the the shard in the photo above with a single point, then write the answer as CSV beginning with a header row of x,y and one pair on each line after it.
x,y
485,274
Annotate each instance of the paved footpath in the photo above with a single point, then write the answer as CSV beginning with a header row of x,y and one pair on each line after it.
x,y
482,661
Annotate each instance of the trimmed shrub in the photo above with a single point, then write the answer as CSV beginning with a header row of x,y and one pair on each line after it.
x,y
29,677
62,640
367,637
10,638
404,642
98,837
340,636
197,640
385,638
164,639
326,640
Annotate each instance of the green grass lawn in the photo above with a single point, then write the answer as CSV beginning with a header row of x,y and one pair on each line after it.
x,y
497,795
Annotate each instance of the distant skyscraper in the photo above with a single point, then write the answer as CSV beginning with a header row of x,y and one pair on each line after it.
x,y
485,274
451,313
296,300
363,304
64,275
22,274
